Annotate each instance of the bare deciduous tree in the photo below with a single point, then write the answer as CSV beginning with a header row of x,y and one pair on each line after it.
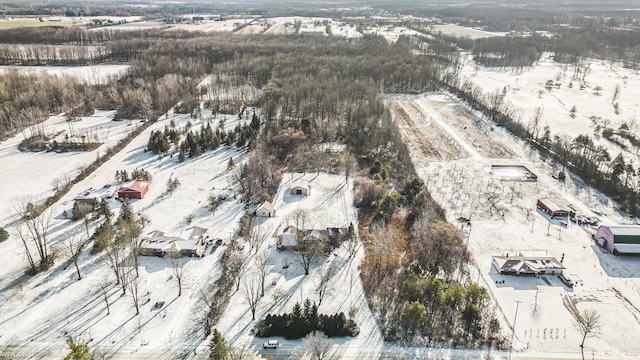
x,y
315,346
72,246
616,94
204,316
324,282
262,268
251,293
308,249
115,257
177,268
308,246
243,351
588,323
254,233
104,287
129,234
32,228
135,292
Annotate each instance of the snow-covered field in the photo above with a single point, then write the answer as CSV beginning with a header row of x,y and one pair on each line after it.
x,y
523,91
458,176
31,174
461,31
92,74
390,32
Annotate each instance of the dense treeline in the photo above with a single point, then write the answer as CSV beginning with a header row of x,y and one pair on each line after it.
x,y
28,99
507,51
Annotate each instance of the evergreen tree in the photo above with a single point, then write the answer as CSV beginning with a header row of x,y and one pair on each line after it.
x,y
126,213
79,350
218,348
4,235
105,210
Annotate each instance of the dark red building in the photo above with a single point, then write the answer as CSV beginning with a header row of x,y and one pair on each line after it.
x,y
553,210
133,189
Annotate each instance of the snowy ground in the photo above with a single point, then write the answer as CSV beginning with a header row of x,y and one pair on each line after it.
x,y
461,31
93,74
37,313
457,174
31,173
390,32
522,90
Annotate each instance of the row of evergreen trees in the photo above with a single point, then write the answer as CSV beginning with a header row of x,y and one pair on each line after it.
x,y
197,142
302,321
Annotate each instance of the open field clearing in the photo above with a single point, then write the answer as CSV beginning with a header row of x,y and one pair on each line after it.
x,y
461,31
390,32
34,22
527,91
344,30
504,220
92,74
211,25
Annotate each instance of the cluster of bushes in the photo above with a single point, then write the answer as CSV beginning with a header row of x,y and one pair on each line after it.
x,y
302,321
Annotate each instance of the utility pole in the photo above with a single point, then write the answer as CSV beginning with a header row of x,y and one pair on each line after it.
x,y
513,333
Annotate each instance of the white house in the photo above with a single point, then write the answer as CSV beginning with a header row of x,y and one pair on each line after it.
x,y
265,209
300,190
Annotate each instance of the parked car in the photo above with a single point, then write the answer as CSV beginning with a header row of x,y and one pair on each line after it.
x,y
271,344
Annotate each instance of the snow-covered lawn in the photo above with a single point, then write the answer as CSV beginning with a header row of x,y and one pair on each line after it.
x,y
32,173
38,313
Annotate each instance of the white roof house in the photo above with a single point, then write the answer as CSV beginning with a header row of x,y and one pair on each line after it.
x,y
527,265
265,209
193,243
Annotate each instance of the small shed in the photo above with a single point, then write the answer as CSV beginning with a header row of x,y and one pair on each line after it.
x,y
265,209
553,210
300,190
135,189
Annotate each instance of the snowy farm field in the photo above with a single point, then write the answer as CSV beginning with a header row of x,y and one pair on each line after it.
x,y
31,174
454,152
39,312
34,22
390,32
592,98
461,31
92,74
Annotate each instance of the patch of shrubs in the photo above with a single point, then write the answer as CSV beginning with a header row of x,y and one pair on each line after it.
x,y
302,321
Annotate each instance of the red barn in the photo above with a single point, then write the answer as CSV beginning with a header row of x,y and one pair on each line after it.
x,y
133,189
553,210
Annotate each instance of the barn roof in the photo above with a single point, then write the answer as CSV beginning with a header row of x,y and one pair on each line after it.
x,y
625,234
551,205
134,185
